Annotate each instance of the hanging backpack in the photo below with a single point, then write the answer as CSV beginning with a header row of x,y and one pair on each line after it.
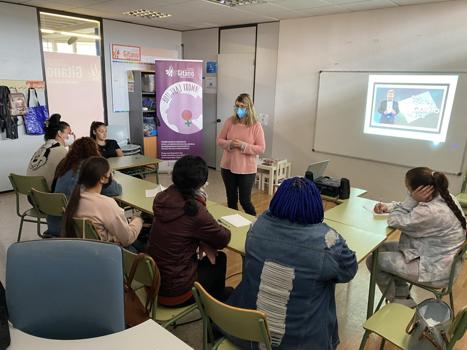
x,y
8,122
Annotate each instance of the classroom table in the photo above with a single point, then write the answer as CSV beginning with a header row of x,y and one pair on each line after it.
x,y
357,212
136,161
147,335
134,192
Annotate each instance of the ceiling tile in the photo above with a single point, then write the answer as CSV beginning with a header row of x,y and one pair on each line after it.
x,y
320,11
299,4
368,5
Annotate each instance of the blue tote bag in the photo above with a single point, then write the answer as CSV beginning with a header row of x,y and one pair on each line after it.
x,y
35,118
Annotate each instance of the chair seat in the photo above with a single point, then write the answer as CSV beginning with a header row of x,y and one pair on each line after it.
x,y
383,323
225,344
34,213
164,314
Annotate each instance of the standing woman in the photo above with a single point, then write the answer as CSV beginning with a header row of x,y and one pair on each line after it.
x,y
242,139
108,148
46,158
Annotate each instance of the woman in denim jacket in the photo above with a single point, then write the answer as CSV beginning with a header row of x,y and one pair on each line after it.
x,y
292,264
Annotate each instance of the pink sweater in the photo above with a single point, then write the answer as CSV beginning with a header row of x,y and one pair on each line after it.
x,y
241,161
108,218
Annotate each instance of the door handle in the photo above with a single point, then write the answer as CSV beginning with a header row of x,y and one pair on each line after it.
x,y
218,120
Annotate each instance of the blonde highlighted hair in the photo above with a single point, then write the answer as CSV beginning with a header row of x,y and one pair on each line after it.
x,y
251,117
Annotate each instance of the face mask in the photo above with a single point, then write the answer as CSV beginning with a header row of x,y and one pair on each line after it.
x,y
69,141
241,112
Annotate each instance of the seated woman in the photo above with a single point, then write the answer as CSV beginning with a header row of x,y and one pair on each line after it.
x,y
68,172
292,264
432,228
46,158
86,201
181,226
108,148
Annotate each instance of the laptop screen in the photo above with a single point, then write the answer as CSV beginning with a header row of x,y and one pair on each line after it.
x,y
318,168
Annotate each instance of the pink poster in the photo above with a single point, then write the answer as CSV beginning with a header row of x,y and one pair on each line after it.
x,y
74,89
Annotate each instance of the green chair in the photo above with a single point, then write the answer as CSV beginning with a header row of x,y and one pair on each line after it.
x,y
391,321
53,204
462,197
22,185
245,324
144,276
439,290
85,229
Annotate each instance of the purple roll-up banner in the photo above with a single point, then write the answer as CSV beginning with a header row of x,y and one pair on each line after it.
x,y
179,98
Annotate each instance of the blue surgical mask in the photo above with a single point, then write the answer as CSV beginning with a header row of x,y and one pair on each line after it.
x,y
241,112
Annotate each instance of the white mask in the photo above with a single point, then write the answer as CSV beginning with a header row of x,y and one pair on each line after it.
x,y
69,141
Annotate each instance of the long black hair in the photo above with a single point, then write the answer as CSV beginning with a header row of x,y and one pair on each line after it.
x,y
53,125
92,170
423,176
189,174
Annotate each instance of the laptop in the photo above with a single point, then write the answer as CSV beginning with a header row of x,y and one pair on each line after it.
x,y
318,169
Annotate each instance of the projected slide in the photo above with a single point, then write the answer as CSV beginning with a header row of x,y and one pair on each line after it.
x,y
410,106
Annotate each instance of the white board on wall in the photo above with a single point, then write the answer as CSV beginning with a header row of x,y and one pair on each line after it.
x,y
340,121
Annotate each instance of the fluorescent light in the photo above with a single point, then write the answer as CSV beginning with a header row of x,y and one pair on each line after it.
x,y
79,35
147,13
233,3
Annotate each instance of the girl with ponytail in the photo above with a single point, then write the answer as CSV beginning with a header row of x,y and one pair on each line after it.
x,y
433,228
86,201
181,227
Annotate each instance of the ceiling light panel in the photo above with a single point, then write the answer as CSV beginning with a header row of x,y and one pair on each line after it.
x,y
233,3
147,13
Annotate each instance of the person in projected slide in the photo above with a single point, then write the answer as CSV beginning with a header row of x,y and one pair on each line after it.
x,y
388,109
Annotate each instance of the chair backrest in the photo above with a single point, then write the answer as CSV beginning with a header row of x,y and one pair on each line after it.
x,y
145,273
281,169
85,229
245,324
456,264
53,204
65,288
458,327
23,184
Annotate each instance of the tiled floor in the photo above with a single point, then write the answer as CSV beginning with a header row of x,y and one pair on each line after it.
x,y
351,298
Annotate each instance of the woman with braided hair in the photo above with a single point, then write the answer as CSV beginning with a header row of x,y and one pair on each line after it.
x,y
433,228
292,264
182,232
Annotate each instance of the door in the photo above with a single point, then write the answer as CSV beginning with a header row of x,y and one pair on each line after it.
x,y
235,76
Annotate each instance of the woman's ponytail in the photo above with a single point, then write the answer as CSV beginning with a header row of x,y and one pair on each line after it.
x,y
441,185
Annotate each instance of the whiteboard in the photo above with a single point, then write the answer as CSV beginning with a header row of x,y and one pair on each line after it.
x,y
340,117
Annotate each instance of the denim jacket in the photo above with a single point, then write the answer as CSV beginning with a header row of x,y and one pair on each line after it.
x,y
290,273
65,184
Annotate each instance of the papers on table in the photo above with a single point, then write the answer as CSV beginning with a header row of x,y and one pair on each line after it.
x,y
376,215
235,220
154,191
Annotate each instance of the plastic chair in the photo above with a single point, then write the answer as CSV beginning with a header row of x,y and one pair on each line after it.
x,y
47,203
439,290
23,185
279,174
65,288
85,229
250,325
391,321
145,273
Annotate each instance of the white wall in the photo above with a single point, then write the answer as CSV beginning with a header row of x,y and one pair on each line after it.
x,y
20,59
427,38
137,35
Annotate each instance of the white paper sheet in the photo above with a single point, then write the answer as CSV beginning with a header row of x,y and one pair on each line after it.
x,y
376,215
154,191
235,220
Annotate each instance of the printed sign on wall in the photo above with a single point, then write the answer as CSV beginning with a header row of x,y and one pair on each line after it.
x,y
179,97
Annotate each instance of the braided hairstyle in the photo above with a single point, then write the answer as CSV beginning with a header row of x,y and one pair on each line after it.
x,y
423,176
298,200
189,174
